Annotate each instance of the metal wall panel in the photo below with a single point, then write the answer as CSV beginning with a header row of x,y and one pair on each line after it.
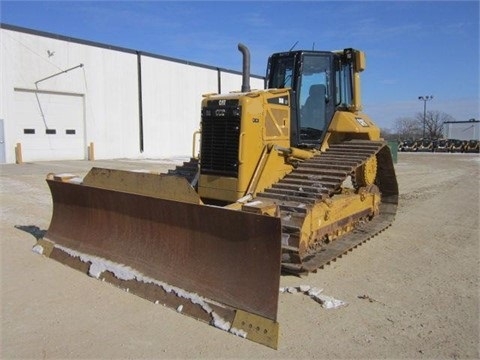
x,y
107,81
233,82
462,130
121,121
172,95
171,105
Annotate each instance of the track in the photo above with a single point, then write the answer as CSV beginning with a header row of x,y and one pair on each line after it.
x,y
189,170
317,179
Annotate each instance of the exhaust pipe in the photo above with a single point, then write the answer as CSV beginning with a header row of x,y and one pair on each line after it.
x,y
245,67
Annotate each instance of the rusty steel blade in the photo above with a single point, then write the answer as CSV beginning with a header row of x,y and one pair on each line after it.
x,y
228,256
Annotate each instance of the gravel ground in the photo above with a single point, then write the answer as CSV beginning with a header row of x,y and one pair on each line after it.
x,y
412,291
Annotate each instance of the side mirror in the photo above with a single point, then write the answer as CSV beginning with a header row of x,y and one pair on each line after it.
x,y
360,61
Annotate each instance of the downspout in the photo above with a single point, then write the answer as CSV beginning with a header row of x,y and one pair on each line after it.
x,y
140,99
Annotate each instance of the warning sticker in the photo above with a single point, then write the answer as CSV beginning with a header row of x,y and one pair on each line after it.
x,y
361,122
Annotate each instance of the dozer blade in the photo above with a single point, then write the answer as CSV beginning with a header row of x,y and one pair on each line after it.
x,y
217,265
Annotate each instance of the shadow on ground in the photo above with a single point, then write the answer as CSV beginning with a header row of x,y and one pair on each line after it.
x,y
33,230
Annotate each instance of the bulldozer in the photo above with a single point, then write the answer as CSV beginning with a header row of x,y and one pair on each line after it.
x,y
284,180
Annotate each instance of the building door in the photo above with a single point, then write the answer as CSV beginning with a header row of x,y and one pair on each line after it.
x,y
50,125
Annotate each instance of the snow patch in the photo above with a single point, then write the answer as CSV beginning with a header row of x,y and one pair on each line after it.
x,y
238,332
99,265
141,171
285,238
66,175
315,293
219,322
304,288
76,180
329,302
38,249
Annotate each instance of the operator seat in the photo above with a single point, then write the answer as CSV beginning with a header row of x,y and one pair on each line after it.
x,y
313,112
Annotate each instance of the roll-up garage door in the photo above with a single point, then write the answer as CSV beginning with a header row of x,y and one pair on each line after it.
x,y
50,125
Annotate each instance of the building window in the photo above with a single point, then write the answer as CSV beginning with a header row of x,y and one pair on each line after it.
x,y
70,131
50,131
29,131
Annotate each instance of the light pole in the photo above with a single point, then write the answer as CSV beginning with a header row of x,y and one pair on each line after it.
x,y
425,99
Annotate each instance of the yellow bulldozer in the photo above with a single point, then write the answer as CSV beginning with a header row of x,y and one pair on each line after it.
x,y
287,179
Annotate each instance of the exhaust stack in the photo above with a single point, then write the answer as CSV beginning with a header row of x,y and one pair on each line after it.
x,y
245,67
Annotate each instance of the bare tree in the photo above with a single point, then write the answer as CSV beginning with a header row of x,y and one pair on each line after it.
x,y
387,134
433,123
408,128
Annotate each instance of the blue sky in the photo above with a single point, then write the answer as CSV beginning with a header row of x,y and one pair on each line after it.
x,y
413,48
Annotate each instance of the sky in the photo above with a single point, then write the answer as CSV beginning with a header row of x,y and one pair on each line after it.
x,y
413,48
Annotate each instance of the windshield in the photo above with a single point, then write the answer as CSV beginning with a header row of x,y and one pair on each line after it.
x,y
313,96
282,73
311,76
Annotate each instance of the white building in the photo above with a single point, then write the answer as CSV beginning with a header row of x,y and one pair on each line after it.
x,y
63,98
462,130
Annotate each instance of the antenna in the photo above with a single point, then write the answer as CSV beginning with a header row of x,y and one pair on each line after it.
x,y
293,46
313,46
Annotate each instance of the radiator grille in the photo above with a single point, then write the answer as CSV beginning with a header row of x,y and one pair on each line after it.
x,y
220,136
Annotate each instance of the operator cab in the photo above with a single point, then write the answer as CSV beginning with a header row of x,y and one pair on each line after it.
x,y
321,83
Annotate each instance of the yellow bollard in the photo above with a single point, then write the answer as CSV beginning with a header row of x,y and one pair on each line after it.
x,y
18,154
91,152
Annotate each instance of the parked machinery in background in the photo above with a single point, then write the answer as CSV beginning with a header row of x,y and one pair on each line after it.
x,y
443,145
440,146
457,146
408,145
424,145
472,146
